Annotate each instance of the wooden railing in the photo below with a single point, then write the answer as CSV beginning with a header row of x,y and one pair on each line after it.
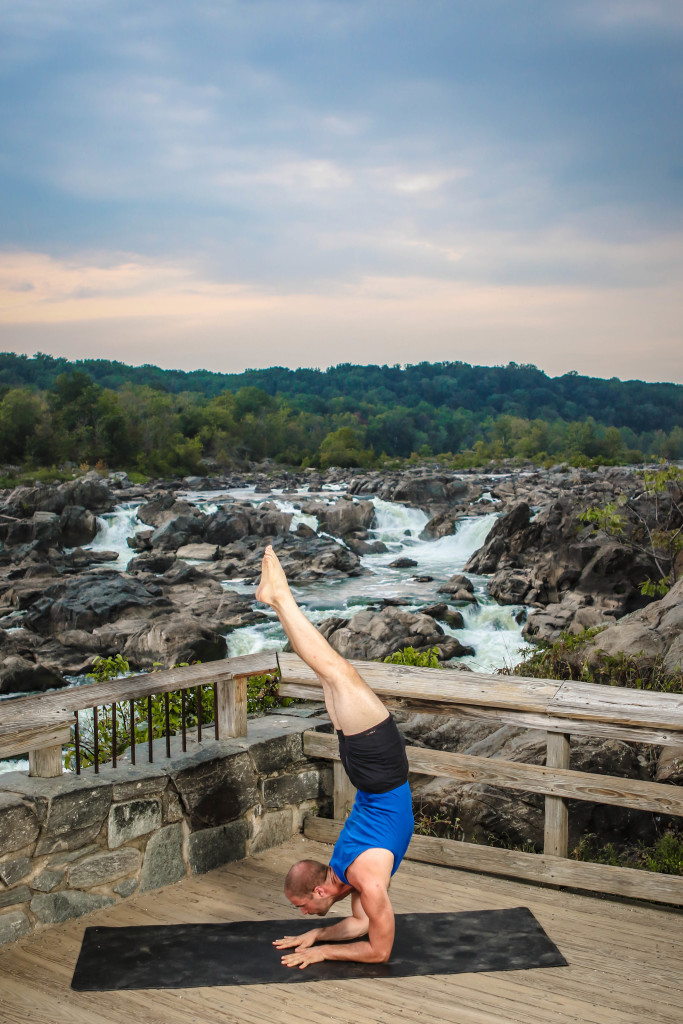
x,y
41,724
562,709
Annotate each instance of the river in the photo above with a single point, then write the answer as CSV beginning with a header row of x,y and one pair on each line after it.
x,y
491,629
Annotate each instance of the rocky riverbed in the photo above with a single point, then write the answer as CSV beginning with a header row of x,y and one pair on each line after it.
x,y
178,580
466,564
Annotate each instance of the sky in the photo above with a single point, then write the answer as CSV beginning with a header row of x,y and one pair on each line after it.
x,y
226,184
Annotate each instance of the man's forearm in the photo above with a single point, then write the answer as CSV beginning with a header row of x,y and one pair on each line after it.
x,y
348,928
363,952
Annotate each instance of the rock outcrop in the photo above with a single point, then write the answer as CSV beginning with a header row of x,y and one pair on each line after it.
x,y
370,635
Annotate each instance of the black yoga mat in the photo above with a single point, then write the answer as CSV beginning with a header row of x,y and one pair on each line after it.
x,y
242,953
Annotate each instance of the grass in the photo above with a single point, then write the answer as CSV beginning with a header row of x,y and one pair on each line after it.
x,y
665,855
438,825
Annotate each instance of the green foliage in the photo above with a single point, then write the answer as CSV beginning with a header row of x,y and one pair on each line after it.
x,y
567,658
104,669
262,696
344,447
665,855
164,422
589,849
410,656
437,824
659,536
606,518
504,842
650,588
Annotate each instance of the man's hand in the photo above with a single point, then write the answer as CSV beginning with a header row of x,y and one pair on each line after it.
x,y
301,942
302,958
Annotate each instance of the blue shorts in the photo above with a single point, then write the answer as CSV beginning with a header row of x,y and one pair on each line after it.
x,y
377,821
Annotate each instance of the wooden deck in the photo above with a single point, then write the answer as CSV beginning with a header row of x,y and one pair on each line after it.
x,y
625,963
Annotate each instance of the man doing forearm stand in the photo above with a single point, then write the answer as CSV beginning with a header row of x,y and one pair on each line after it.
x,y
376,834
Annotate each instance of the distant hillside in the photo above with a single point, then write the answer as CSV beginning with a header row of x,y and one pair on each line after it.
x,y
168,423
516,390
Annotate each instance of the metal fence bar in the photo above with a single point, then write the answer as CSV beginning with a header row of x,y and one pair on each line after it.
x,y
150,731
183,724
131,705
113,734
96,739
215,711
77,742
199,714
167,724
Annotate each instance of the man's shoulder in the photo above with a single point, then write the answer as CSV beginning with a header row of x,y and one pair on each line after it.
x,y
370,867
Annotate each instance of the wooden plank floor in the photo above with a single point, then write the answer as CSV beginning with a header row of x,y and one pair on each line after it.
x,y
625,962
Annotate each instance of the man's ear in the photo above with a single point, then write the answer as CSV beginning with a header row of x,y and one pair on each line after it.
x,y
319,891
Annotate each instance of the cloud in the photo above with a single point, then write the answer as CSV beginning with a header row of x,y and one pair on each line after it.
x,y
616,14
125,307
259,160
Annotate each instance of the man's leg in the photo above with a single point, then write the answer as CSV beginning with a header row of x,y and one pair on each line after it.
x,y
351,704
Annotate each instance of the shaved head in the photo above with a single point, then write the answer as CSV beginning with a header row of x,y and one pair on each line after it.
x,y
303,877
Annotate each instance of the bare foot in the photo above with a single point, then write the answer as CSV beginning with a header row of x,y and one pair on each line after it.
x,y
273,586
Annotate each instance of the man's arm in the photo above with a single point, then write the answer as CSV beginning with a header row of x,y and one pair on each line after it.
x,y
369,875
348,928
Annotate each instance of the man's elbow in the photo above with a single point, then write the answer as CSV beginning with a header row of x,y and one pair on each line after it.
x,y
381,955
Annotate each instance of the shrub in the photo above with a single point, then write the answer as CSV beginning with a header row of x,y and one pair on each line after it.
x,y
564,659
411,656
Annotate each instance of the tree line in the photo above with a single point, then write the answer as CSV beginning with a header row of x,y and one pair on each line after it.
x,y
161,422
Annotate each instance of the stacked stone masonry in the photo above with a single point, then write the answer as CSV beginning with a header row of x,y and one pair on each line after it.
x,y
71,845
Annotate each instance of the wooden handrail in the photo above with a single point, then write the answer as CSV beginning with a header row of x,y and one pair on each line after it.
x,y
531,778
581,709
90,695
560,708
531,867
41,722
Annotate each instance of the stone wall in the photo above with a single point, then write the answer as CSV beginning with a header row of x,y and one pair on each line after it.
x,y
73,844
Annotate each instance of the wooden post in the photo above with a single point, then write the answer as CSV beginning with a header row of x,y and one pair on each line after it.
x,y
556,835
45,763
231,707
344,793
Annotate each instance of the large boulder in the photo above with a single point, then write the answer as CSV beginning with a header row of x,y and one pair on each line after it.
x,y
371,635
553,557
651,634
430,488
226,526
632,640
42,531
162,508
89,491
502,540
21,675
510,586
77,526
346,516
187,528
91,600
176,639
270,522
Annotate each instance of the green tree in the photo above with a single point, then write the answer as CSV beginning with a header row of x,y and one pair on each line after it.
x,y
344,447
